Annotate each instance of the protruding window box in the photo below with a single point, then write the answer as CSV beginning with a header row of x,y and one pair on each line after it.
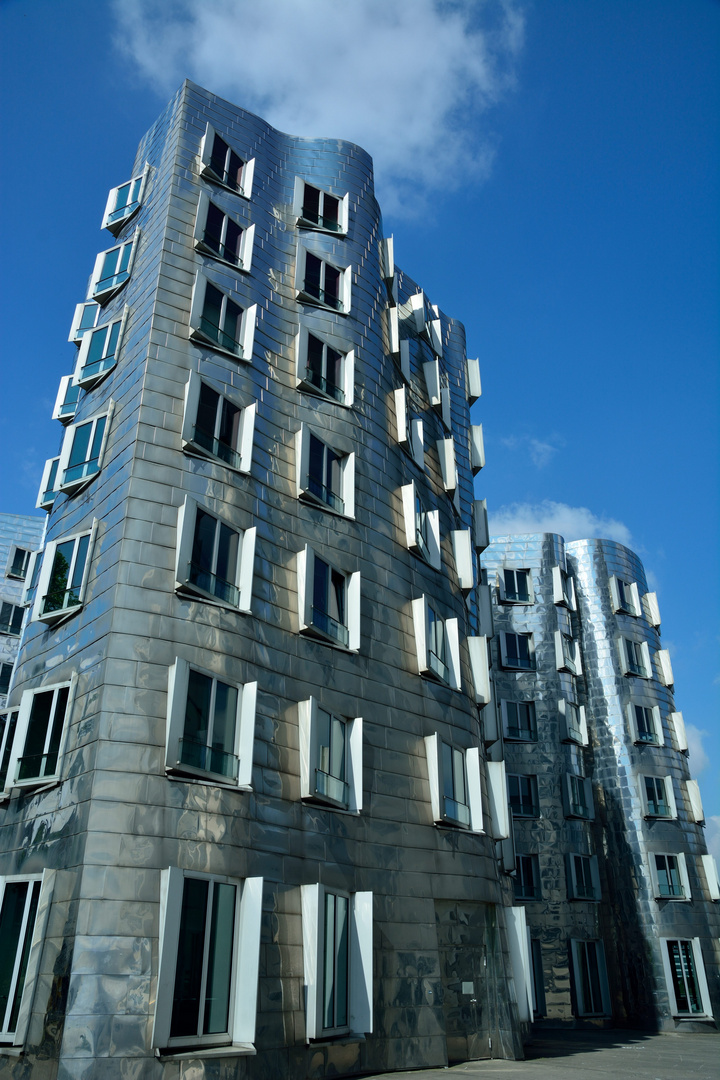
x,y
124,202
216,427
99,352
578,797
645,724
48,485
477,448
66,402
573,722
567,653
24,909
515,586
321,283
422,527
409,428
214,561
83,451
474,384
35,755
319,210
455,784
563,588
517,652
218,235
325,366
625,597
583,877
634,658
325,475
519,721
669,876
658,797
328,601
437,644
113,269
523,795
220,164
219,322
85,318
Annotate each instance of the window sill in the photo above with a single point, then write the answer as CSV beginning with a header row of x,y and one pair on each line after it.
x,y
313,634
234,1050
202,342
208,252
53,618
309,499
312,226
191,592
305,298
207,175
89,383
346,1039
36,786
308,387
172,774
192,450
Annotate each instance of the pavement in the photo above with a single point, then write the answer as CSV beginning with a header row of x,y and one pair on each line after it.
x,y
593,1055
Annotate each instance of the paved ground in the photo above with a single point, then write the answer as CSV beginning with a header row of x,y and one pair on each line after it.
x,y
601,1055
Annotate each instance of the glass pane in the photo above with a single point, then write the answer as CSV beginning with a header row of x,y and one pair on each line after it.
x,y
125,259
81,442
56,731
234,174
231,325
83,544
320,585
337,756
110,264
98,438
123,196
220,955
34,749
89,316
330,211
11,919
313,269
212,307
337,598
206,417
25,955
227,556
204,544
316,468
191,946
329,963
96,351
218,157
594,1002
693,991
111,347
332,285
213,227
230,424
233,239
197,719
311,204
315,361
223,729
323,721
447,775
341,965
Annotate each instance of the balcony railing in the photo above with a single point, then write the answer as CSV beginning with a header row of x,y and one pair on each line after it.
x,y
331,224
216,447
324,296
211,583
456,811
525,891
527,733
36,766
331,787
217,336
325,494
214,244
198,755
60,600
671,891
329,626
81,471
325,385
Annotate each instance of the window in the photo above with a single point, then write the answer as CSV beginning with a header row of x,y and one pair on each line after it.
x,y
422,526
437,643
523,796
209,954
113,269
567,653
583,877
48,485
635,658
215,426
85,318
563,588
330,757
99,352
18,563
123,202
409,429
519,722
11,619
38,738
669,877
325,475
527,877
538,980
221,164
337,961
218,234
517,652
322,283
426,322
625,597
645,724
578,797
8,726
685,977
211,725
24,908
592,996
318,209
324,368
214,560
573,724
82,451
31,578
658,796
5,676
448,464
67,399
63,576
329,601
218,321
455,787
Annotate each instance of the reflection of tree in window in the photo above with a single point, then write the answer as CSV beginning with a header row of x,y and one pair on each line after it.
x,y
44,732
222,235
330,772
201,999
208,740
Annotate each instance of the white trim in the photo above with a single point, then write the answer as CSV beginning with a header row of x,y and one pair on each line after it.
x,y
37,944
44,484
89,381
652,608
431,371
45,575
21,730
520,961
712,879
678,727
65,383
448,468
665,667
132,208
478,654
71,487
498,800
474,383
696,947
205,155
477,448
244,448
481,532
463,556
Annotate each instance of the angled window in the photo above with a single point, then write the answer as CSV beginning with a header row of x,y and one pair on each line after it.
x,y
685,977
625,597
123,202
330,757
437,643
527,878
24,908
31,578
209,954
337,932
5,677
211,725
113,269
218,321
8,727
99,351
325,368
222,165
578,797
517,652
634,657
214,561
67,399
583,877
651,608
712,879
329,601
11,618
461,540
455,785
63,577
563,588
18,562
322,283
567,653
658,796
448,464
318,209
48,485
85,318
519,721
677,727
523,795
592,994
422,526
409,429
216,427
425,319
218,235
669,877
645,724
83,450
38,740
325,475
692,790
573,724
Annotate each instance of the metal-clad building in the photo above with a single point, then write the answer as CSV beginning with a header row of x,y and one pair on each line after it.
x,y
610,862
247,825
20,536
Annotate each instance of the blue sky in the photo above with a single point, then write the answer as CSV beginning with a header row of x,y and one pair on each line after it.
x,y
550,172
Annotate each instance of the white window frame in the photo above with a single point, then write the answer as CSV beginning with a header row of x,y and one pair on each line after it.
x,y
504,635
632,597
244,963
31,577
669,797
658,738
569,730
248,320
584,811
21,733
8,727
577,946
472,781
479,657
433,382
426,546
502,591
409,429
563,588
76,334
426,667
448,464
665,671
677,726
309,757
685,893
692,790
477,449
307,223
347,355
360,957
305,582
626,666
247,236
696,949
244,735
248,166
576,891
534,789
346,456
114,284
45,575
242,460
11,560
47,493
474,382
505,709
16,1037
13,608
61,410
498,802
461,540
88,381
424,324
480,528
712,879
344,285
77,483
187,516
651,608
567,653
113,220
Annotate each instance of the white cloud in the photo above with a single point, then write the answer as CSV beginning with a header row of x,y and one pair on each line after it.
x,y
572,522
540,451
712,836
406,79
698,755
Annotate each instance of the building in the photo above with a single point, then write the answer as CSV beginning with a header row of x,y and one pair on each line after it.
x,y
20,536
247,826
611,865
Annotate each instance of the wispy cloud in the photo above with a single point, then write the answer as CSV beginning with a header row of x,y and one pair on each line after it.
x,y
712,836
698,755
572,522
408,80
540,451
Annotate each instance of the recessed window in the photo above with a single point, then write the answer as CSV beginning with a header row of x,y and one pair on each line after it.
x,y
215,426
67,400
211,725
18,563
218,321
645,724
563,588
455,786
583,877
219,235
578,797
11,619
658,796
436,643
409,428
592,994
223,165
99,351
113,269
527,878
123,202
625,597
685,977
517,651
523,796
325,474
325,368
82,451
669,877
329,601
422,526
519,720
31,578
63,577
5,676
85,318
209,949
48,485
318,209
330,757
8,727
214,559
321,282
38,738
24,907
635,657
515,587
573,723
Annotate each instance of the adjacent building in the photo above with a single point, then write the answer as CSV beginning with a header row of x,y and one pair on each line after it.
x,y
20,536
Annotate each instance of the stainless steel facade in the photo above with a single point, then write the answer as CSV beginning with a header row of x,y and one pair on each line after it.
x,y
111,821
627,887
